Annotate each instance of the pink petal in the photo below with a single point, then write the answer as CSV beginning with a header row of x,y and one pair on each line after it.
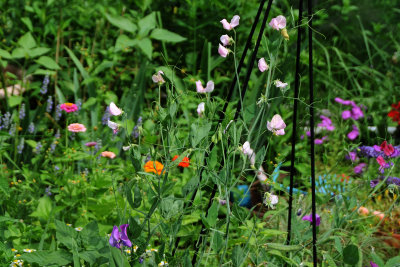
x,y
226,25
262,65
224,39
223,52
235,21
199,87
210,87
281,22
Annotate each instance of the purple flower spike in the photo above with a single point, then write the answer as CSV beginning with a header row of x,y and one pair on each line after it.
x,y
373,264
119,238
374,183
309,218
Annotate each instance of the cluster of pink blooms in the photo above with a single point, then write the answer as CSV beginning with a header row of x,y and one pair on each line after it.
x,y
354,113
388,149
225,39
69,107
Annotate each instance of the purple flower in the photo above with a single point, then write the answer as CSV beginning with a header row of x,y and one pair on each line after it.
x,y
58,112
373,264
393,180
309,218
46,82
22,111
91,144
352,156
119,238
48,191
222,202
49,106
359,168
20,147
374,183
343,102
141,260
299,211
354,133
355,113
346,114
31,128
106,117
320,141
326,123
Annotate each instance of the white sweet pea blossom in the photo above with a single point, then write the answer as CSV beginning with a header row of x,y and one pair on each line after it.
x,y
114,110
262,65
276,125
157,78
229,26
249,152
113,125
201,90
270,200
225,40
201,109
223,51
280,84
278,23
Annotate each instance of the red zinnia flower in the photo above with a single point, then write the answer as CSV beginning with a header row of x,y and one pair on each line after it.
x,y
388,149
184,163
395,113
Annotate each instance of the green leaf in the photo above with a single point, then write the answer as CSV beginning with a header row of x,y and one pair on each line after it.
x,y
122,23
38,51
44,258
27,21
199,132
118,258
393,262
15,100
90,234
44,72
5,54
48,62
217,241
134,229
65,234
124,42
166,36
90,102
146,46
19,53
137,198
212,214
78,64
238,256
146,24
27,41
43,209
350,255
282,247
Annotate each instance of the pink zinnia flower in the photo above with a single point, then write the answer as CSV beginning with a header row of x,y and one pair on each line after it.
x,y
229,26
278,23
114,110
223,52
277,125
262,65
76,128
354,133
69,107
201,90
225,40
91,144
108,154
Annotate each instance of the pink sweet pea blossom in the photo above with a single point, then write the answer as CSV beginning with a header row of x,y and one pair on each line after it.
x,y
326,123
201,90
246,149
310,218
157,78
359,168
262,65
381,162
354,133
346,114
225,40
280,84
320,141
355,112
76,128
113,125
223,52
278,23
233,24
114,110
91,144
201,109
277,125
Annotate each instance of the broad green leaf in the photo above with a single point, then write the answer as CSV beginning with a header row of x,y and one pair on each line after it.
x,y
238,256
15,100
217,241
38,51
48,62
124,42
65,234
44,72
27,41
78,64
43,258
282,247
199,132
19,53
90,102
350,255
43,209
146,46
212,214
90,256
27,21
393,262
118,258
5,54
147,23
90,235
166,36
122,23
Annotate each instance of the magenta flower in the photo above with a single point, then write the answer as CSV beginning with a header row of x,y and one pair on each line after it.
x,y
262,65
359,168
222,51
119,238
90,144
158,78
326,123
320,141
355,112
352,156
373,264
354,133
343,102
69,107
278,23
225,40
229,26
309,218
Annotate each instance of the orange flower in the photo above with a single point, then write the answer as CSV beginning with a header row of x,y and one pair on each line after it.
x,y
149,167
76,128
184,163
363,210
108,154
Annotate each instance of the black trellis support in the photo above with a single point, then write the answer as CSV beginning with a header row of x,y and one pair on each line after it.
x,y
294,134
227,100
238,108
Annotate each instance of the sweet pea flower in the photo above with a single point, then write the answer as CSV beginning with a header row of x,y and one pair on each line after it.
x,y
278,23
319,141
119,238
225,40
359,168
352,156
76,128
108,154
157,78
383,164
326,123
373,264
249,152
310,218
277,125
114,110
223,51
201,109
69,107
280,84
270,200
354,133
201,90
262,65
388,149
229,26
113,125
380,215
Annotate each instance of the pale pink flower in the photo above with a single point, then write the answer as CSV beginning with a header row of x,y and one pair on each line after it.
x,y
246,149
261,174
201,90
201,109
113,125
157,78
278,23
223,52
114,110
262,65
280,84
379,215
76,128
277,125
229,26
108,154
225,40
